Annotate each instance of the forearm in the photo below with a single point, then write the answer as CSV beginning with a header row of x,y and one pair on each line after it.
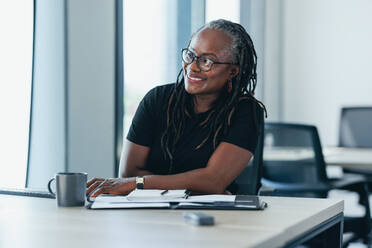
x,y
135,172
199,180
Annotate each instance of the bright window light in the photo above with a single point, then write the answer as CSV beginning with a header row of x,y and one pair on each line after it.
x,y
146,45
222,9
16,25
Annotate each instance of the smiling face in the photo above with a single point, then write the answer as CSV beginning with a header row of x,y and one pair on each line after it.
x,y
215,45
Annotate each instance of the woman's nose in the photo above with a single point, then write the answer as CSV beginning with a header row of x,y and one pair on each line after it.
x,y
194,66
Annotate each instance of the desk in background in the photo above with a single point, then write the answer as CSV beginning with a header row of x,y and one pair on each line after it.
x,y
348,158
38,222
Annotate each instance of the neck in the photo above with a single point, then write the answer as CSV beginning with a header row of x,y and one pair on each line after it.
x,y
203,103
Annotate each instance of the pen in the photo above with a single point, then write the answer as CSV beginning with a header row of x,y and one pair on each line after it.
x,y
187,193
164,192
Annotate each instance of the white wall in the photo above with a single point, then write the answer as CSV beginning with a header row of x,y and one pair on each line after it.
x,y
325,61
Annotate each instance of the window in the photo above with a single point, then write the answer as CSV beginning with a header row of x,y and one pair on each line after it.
x,y
16,25
150,50
221,9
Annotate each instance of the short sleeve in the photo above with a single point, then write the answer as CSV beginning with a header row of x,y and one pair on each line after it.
x,y
141,130
243,130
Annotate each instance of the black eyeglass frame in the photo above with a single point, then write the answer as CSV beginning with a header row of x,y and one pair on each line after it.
x,y
198,60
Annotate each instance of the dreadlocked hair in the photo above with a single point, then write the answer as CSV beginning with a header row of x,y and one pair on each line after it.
x,y
180,104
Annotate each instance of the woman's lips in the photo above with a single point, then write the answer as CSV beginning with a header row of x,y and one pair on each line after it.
x,y
194,79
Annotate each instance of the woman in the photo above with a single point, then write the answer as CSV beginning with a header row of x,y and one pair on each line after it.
x,y
199,133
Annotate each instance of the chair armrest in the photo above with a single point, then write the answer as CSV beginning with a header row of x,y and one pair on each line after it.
x,y
295,187
351,182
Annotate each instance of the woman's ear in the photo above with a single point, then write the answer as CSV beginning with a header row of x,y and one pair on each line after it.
x,y
234,71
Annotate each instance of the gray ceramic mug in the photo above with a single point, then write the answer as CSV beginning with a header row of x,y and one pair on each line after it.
x,y
70,188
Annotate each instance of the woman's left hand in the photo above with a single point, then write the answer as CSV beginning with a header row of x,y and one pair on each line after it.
x,y
113,186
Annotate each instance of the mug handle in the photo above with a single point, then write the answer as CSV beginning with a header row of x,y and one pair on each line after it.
x,y
50,188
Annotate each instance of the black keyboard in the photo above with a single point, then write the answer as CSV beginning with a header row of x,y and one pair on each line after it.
x,y
27,192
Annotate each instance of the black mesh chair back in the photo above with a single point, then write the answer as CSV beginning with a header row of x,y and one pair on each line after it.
x,y
249,181
356,127
293,154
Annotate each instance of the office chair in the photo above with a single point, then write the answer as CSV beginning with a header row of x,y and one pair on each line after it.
x,y
249,181
356,127
355,131
294,165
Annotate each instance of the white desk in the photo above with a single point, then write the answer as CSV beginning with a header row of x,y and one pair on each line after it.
x,y
349,158
38,222
357,158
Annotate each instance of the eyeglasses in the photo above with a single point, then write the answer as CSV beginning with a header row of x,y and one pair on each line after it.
x,y
204,64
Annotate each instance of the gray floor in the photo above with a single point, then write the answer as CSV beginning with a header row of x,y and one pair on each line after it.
x,y
352,208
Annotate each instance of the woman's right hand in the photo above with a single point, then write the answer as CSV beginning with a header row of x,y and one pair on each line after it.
x,y
113,186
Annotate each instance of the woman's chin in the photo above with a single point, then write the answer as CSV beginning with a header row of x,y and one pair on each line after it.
x,y
191,89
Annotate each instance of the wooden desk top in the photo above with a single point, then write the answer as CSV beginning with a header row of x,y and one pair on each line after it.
x,y
38,222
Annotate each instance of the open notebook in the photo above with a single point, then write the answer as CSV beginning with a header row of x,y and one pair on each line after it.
x,y
151,195
177,199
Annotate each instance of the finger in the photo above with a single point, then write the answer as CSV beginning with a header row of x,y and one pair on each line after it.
x,y
107,182
90,182
94,180
111,187
94,186
99,191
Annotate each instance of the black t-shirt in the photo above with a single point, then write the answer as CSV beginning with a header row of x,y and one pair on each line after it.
x,y
149,123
